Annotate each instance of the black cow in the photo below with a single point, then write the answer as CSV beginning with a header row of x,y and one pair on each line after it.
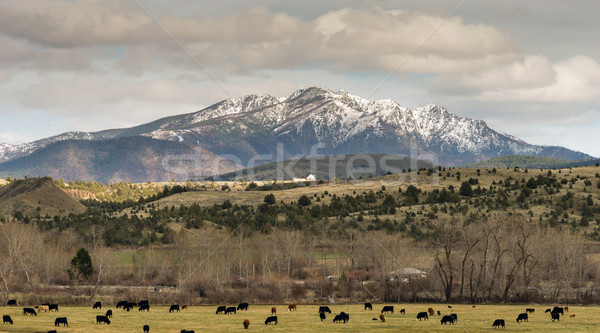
x,y
324,309
242,306
422,315
368,306
53,307
61,320
7,319
558,310
342,317
529,310
121,304
555,316
144,307
548,310
230,309
402,311
271,319
522,317
387,308
129,306
109,313
221,309
12,302
185,331
174,308
29,311
497,323
447,320
146,329
53,331
454,316
439,313
102,320
97,305
322,315
142,302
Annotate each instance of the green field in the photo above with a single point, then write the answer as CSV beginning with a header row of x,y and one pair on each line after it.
x,y
306,319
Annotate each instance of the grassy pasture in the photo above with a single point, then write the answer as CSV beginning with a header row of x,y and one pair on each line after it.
x,y
306,319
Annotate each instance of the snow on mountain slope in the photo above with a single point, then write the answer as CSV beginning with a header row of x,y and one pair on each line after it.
x,y
341,122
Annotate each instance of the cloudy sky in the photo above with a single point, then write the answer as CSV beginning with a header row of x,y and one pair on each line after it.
x,y
528,68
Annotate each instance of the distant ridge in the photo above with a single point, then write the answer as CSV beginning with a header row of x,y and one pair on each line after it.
x,y
343,167
511,161
33,196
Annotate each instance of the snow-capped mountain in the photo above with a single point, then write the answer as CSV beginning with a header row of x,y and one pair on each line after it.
x,y
334,122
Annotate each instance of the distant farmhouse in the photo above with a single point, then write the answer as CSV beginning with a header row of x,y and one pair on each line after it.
x,y
309,178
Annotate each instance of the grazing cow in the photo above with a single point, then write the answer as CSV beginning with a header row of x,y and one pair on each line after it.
x,y
184,307
102,320
431,312
185,331
497,323
558,310
7,319
382,317
555,316
246,323
368,306
272,319
422,315
109,313
97,305
53,307
402,311
174,308
230,309
449,306
242,306
439,313
146,329
342,317
129,306
455,316
53,331
388,309
324,309
273,310
121,304
548,310
529,310
447,319
522,317
12,302
566,309
44,308
221,309
142,302
61,320
322,316
292,307
144,307
29,311
572,316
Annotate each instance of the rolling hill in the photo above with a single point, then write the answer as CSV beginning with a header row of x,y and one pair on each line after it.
x,y
33,196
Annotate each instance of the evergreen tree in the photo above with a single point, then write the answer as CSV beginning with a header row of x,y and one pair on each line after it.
x,y
466,189
81,266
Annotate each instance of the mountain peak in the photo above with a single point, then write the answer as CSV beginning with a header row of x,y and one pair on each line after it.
x,y
259,125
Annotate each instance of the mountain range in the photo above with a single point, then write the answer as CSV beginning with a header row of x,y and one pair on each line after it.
x,y
257,129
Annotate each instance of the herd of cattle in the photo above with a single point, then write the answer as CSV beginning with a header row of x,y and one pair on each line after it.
x,y
342,317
